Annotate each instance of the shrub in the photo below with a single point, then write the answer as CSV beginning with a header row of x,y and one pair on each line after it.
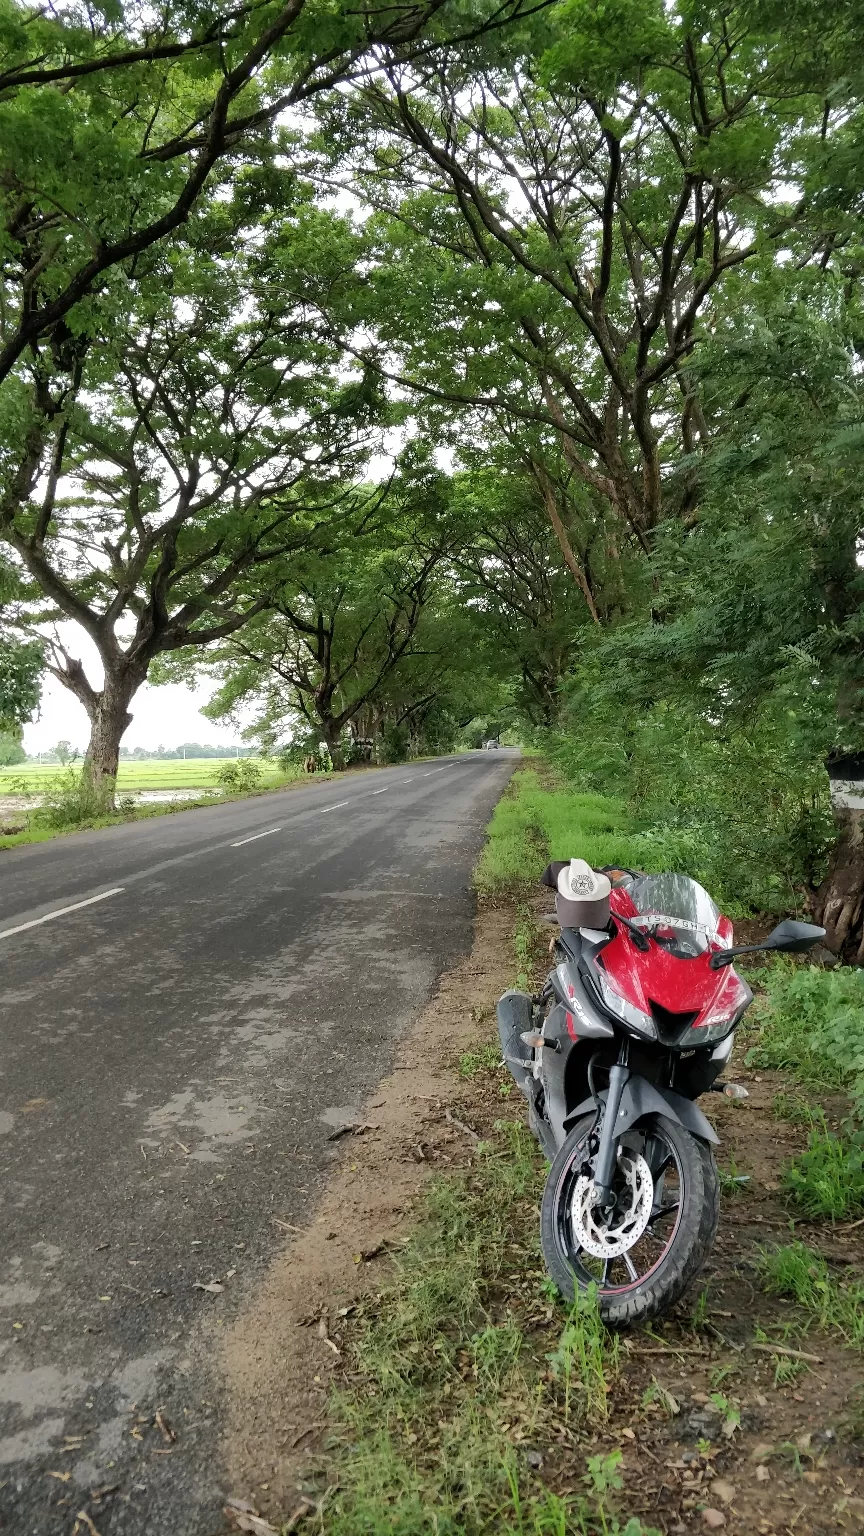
x,y
71,799
239,777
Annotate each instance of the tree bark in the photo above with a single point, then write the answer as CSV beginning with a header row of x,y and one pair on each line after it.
x,y
109,718
333,736
838,904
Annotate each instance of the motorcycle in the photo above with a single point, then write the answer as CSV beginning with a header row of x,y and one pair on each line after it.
x,y
636,1020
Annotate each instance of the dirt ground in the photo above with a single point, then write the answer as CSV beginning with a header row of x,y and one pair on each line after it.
x,y
280,1357
794,1466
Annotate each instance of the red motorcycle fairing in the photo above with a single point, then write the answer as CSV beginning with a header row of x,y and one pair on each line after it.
x,y
676,984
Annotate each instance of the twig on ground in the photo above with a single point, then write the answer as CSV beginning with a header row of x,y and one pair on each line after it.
x,y
672,1349
461,1126
82,1518
784,1349
304,1508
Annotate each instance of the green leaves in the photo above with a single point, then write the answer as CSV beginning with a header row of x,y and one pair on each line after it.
x,y
603,44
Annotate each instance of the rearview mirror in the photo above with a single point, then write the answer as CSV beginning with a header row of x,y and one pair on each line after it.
x,y
789,937
793,938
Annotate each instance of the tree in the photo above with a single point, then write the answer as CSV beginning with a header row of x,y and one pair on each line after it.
x,y
21,662
560,208
197,443
11,750
114,122
345,620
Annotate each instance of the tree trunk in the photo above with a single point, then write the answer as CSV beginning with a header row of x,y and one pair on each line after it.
x,y
333,737
838,904
109,718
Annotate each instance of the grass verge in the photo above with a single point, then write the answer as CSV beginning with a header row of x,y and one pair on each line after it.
x,y
536,822
811,1024
827,1178
474,1403
458,1389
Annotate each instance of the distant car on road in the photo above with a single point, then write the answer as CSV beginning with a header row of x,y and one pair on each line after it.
x,y
492,746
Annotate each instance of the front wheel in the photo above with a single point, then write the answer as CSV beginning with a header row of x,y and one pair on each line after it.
x,y
644,1253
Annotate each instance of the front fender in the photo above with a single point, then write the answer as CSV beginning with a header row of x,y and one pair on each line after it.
x,y
642,1098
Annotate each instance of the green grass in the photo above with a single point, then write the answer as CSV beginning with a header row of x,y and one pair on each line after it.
x,y
827,1179
533,824
811,1024
797,1272
448,1389
486,1058
195,773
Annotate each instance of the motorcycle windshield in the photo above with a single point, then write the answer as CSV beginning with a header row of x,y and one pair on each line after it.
x,y
677,912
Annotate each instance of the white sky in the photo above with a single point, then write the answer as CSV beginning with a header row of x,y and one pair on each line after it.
x,y
160,716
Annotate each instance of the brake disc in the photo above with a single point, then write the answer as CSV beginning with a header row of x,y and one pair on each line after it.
x,y
608,1237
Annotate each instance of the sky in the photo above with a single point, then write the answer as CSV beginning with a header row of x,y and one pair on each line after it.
x,y
163,716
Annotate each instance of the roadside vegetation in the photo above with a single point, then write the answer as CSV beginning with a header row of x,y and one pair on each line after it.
x,y
464,1374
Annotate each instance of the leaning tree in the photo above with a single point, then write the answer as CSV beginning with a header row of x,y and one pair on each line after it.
x,y
176,456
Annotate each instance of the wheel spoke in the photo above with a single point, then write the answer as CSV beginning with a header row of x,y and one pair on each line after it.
x,y
663,1210
631,1267
607,1265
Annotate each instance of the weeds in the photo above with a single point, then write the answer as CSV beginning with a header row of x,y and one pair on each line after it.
x,y
796,1271
584,1359
793,1108
662,1397
730,1412
786,1371
447,1389
828,1178
732,1181
812,1025
486,1058
699,1315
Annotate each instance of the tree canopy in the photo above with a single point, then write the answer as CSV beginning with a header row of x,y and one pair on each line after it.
x,y
440,369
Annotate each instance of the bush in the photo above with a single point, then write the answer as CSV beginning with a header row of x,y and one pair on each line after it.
x,y
71,799
239,777
393,744
746,806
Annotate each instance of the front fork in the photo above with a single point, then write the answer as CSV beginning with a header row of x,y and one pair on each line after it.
x,y
605,1161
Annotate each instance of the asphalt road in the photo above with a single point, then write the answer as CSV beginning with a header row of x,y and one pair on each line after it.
x,y
173,1057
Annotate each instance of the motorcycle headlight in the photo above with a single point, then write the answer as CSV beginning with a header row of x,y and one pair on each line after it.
x,y
722,1017
623,1009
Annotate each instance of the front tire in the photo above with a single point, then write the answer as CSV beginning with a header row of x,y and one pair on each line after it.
x,y
646,1278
